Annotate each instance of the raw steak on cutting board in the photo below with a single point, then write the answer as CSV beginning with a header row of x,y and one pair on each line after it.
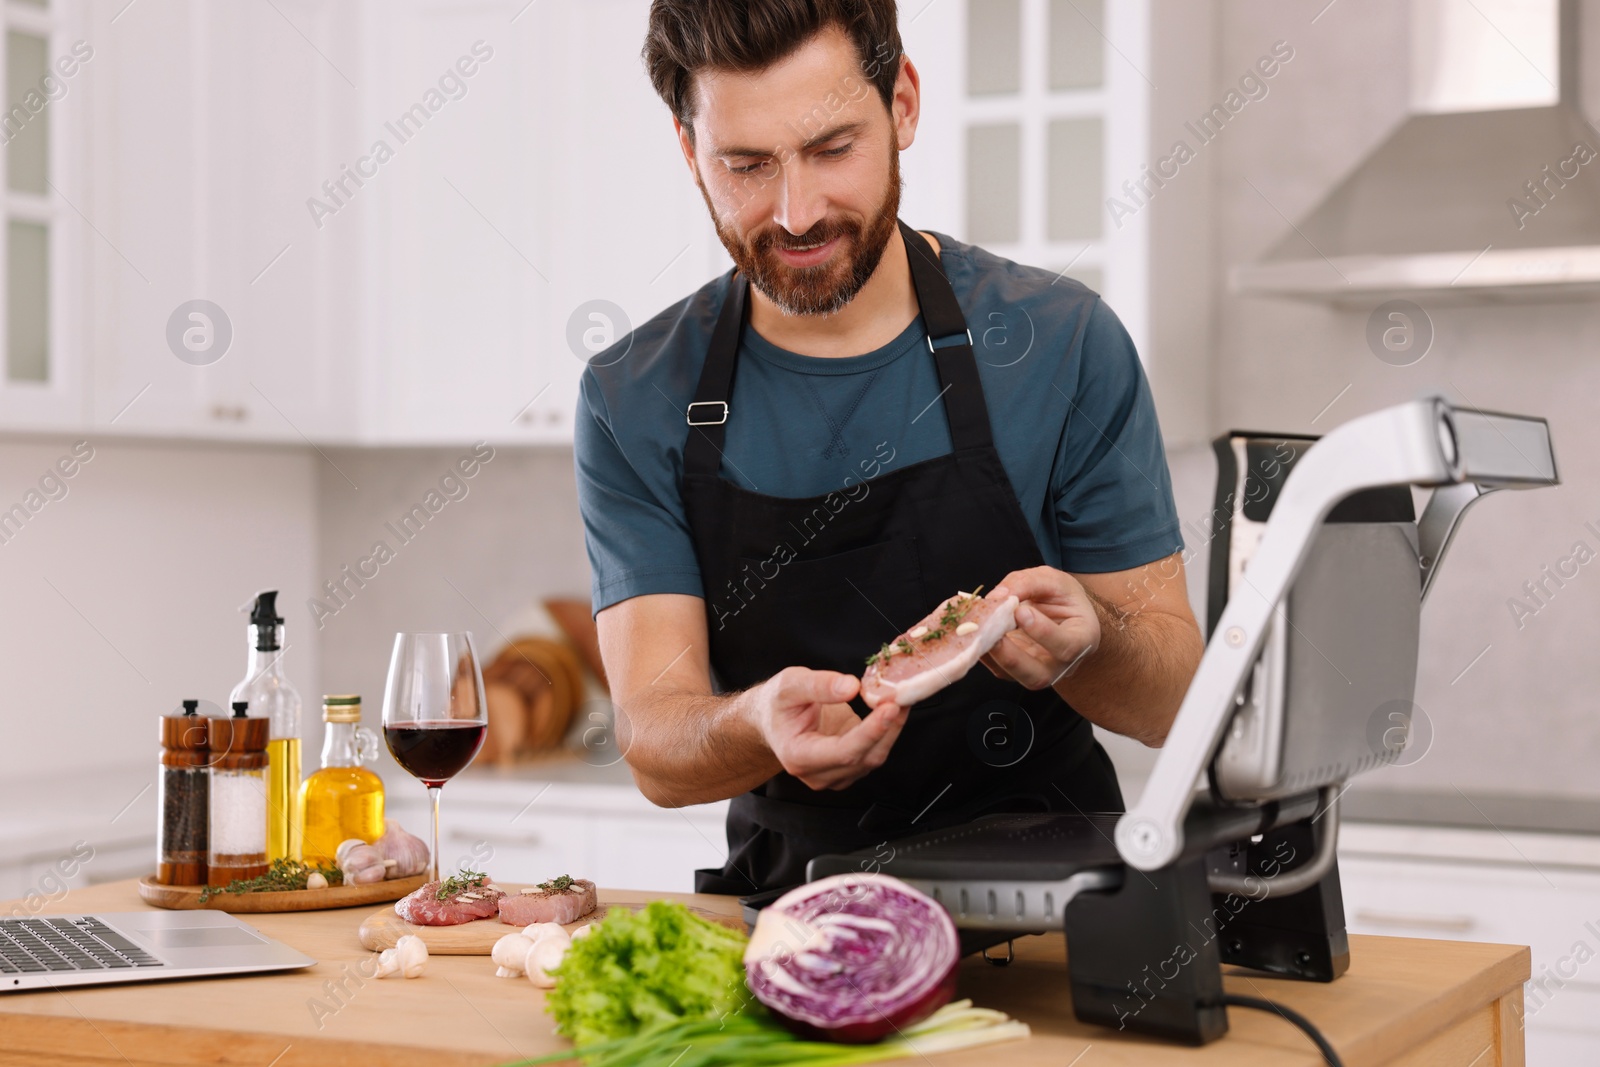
x,y
938,651
424,907
552,905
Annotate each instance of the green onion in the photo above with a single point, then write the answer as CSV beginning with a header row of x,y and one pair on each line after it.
x,y
755,1041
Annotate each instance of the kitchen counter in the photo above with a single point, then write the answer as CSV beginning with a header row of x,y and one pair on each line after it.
x,y
1496,812
1403,1001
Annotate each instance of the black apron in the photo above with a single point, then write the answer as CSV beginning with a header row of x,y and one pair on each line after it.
x,y
822,582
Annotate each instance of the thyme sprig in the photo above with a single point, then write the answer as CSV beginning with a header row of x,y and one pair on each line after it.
x,y
954,611
283,876
559,884
460,883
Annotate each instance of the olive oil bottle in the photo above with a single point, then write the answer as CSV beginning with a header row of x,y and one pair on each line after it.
x,y
343,799
270,696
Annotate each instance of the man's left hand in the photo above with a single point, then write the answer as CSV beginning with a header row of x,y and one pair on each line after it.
x,y
1057,626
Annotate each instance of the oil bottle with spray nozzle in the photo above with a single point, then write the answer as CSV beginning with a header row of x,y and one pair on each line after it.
x,y
270,696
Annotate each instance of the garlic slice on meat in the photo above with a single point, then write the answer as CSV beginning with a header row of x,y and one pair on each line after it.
x,y
966,628
408,958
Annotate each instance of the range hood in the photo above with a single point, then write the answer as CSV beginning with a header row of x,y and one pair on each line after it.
x,y
1496,201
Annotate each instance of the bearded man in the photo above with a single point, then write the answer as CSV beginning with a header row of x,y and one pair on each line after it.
x,y
803,458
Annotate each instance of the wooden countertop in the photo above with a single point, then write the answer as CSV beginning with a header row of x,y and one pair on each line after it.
x,y
1403,1001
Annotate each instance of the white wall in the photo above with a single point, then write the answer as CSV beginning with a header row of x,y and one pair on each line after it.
x,y
514,539
120,598
1521,719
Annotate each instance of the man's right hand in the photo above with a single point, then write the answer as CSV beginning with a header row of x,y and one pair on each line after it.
x,y
805,719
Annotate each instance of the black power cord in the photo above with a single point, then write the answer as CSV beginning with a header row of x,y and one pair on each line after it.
x,y
1262,1004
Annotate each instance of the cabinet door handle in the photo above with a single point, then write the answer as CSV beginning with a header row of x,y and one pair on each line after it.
x,y
1456,924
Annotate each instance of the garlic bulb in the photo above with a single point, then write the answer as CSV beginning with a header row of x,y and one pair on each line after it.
x,y
583,931
408,958
316,880
407,851
360,862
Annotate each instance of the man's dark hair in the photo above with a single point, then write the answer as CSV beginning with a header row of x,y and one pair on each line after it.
x,y
690,36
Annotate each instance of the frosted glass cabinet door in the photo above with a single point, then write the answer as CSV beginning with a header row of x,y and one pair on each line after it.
x,y
994,183
1077,44
1074,178
41,382
994,46
27,302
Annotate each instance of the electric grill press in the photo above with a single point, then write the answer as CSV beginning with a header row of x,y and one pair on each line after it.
x,y
1306,682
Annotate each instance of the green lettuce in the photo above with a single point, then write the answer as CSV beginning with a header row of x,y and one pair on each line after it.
x,y
660,965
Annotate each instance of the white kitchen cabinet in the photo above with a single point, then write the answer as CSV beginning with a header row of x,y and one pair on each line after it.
x,y
212,126
552,184
399,208
1495,890
522,830
42,242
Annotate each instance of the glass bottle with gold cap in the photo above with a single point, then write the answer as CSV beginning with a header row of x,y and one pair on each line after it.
x,y
343,799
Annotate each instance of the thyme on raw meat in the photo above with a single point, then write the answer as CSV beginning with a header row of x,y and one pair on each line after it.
x,y
954,611
559,884
460,883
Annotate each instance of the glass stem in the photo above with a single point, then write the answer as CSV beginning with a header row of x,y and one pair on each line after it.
x,y
433,795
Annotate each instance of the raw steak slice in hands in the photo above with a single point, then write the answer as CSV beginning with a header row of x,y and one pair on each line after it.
x,y
938,651
462,903
553,905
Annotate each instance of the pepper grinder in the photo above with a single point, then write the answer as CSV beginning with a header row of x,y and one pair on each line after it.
x,y
185,789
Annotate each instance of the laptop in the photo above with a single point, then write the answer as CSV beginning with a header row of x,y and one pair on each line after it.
x,y
54,951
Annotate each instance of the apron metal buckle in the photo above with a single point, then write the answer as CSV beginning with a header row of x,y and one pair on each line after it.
x,y
949,342
708,421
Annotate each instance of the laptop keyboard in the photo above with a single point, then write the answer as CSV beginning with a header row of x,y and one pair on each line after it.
x,y
54,946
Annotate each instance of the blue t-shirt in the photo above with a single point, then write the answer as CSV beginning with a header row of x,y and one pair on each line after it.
x,y
1073,423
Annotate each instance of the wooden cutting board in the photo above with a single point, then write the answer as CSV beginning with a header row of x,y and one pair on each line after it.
x,y
384,927
187,897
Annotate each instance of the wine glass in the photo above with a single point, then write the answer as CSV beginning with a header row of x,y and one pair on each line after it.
x,y
434,714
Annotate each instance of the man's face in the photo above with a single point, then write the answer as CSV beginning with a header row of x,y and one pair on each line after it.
x,y
799,166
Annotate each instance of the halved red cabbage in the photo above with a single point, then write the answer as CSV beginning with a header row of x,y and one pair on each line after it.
x,y
853,958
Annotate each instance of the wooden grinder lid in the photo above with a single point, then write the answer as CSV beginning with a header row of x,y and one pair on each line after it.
x,y
186,731
238,735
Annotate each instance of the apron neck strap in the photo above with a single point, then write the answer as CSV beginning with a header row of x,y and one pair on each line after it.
x,y
951,344
947,338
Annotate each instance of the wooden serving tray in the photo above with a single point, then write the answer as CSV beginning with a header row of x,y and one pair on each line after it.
x,y
187,897
384,927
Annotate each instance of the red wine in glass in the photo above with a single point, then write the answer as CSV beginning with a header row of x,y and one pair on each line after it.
x,y
435,751
434,714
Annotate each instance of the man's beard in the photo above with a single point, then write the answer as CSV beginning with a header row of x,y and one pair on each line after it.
x,y
827,287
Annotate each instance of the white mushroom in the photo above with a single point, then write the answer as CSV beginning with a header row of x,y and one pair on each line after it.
x,y
546,957
408,958
541,931
510,955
